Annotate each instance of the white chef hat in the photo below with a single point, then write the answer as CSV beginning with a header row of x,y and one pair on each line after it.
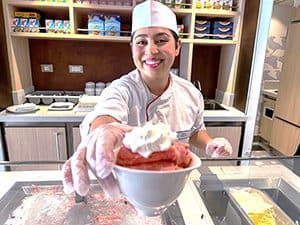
x,y
153,14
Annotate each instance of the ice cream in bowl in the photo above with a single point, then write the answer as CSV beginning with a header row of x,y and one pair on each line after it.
x,y
152,168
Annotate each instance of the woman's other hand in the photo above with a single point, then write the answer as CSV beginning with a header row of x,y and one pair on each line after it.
x,y
219,147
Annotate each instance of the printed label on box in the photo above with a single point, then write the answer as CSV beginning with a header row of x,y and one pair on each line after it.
x,y
34,25
96,24
59,26
15,22
67,27
50,26
112,25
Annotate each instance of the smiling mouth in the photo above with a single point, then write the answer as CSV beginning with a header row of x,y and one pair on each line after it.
x,y
152,63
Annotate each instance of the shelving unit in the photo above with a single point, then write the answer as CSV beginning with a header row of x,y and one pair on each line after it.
x,y
19,48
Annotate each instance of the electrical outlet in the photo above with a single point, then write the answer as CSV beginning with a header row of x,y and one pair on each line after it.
x,y
75,68
47,68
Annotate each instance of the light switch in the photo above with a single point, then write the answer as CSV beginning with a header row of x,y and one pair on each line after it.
x,y
47,68
75,68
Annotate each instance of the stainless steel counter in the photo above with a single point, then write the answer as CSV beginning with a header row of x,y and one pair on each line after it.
x,y
204,200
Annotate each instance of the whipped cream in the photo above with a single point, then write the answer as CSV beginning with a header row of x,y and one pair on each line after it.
x,y
149,138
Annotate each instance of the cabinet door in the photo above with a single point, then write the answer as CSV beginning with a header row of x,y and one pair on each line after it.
x,y
232,134
36,143
76,138
287,103
285,137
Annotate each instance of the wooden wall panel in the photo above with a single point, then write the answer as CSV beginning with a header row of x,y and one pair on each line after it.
x,y
101,62
5,82
246,53
205,68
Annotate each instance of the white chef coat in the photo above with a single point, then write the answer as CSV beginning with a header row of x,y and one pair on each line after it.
x,y
130,101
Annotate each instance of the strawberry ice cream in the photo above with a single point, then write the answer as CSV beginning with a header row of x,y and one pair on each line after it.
x,y
177,156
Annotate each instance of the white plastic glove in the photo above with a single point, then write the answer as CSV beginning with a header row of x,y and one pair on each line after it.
x,y
97,150
218,147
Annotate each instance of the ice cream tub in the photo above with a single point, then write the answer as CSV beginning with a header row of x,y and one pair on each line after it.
x,y
257,206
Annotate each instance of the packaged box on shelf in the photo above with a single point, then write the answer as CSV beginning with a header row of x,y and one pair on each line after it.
x,y
222,27
95,24
50,26
59,26
227,5
201,36
180,29
21,23
217,4
67,27
112,25
17,26
14,24
207,4
221,24
202,27
202,23
202,30
27,15
34,25
222,36
214,4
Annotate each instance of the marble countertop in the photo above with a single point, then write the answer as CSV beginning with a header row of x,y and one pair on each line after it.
x,y
43,115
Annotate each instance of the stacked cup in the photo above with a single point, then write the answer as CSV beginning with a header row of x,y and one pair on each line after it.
x,y
99,87
89,88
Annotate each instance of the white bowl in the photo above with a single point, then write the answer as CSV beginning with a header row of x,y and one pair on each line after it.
x,y
152,192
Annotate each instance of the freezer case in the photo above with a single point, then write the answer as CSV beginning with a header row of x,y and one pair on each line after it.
x,y
37,203
225,209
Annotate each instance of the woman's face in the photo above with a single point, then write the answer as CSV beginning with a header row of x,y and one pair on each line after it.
x,y
153,51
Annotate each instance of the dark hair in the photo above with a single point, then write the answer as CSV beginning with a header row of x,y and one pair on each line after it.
x,y
175,36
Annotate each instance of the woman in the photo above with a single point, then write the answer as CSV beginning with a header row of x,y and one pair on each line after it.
x,y
149,93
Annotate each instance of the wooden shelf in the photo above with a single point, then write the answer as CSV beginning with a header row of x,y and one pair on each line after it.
x,y
83,37
216,13
110,8
213,42
37,4
182,11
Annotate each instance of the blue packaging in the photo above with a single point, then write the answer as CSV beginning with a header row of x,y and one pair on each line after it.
x,y
95,24
222,29
34,25
112,25
50,26
202,23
